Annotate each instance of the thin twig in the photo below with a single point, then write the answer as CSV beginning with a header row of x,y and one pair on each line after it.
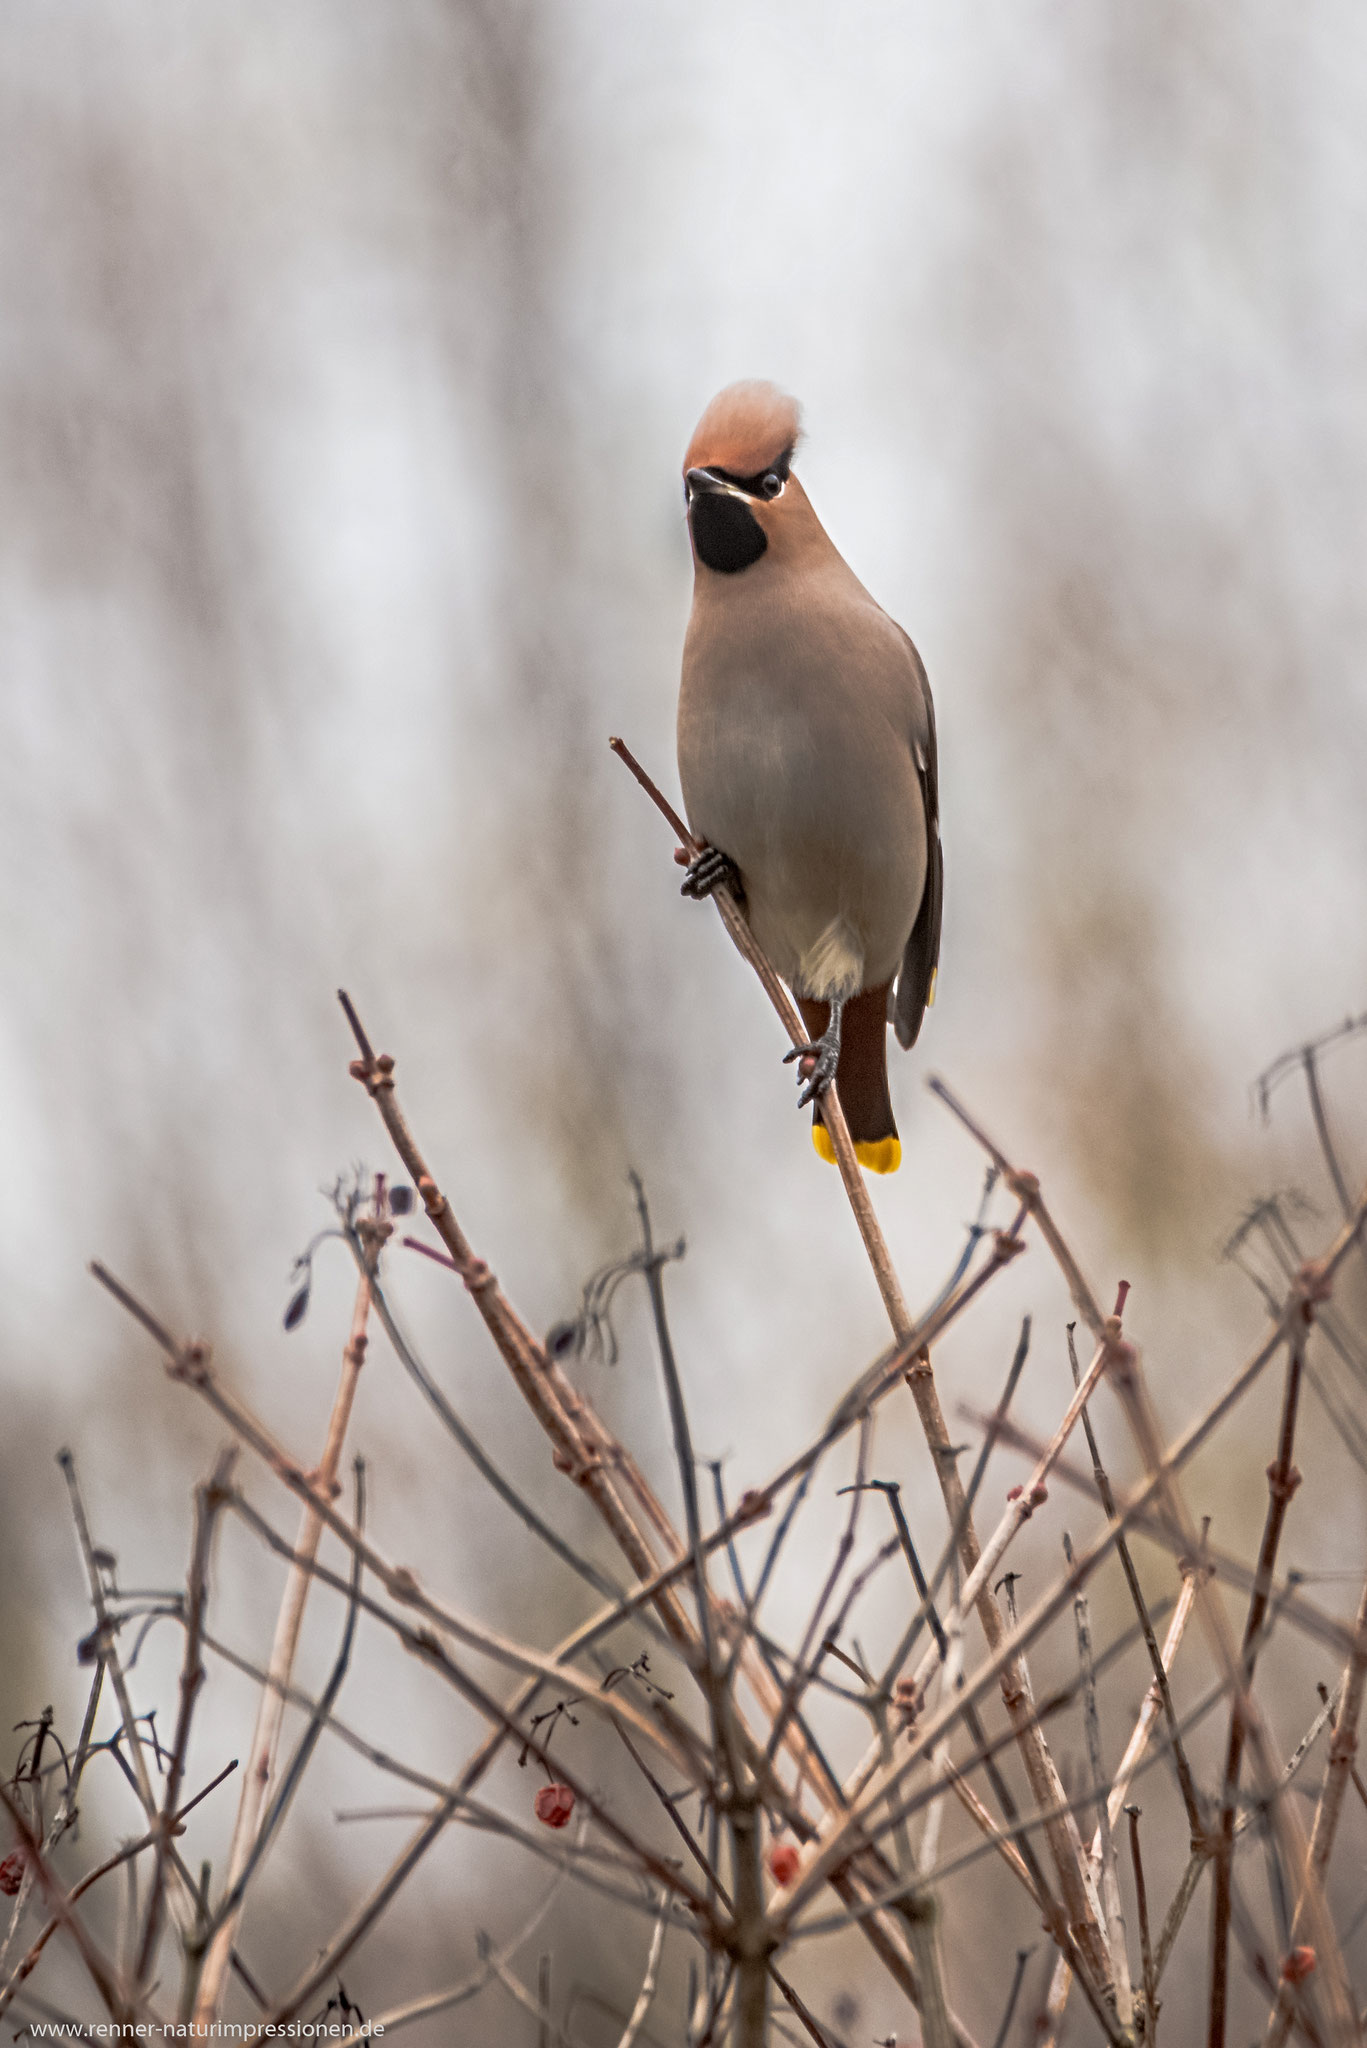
x,y
104,1637
1158,1662
1282,1481
230,1905
1061,1982
1023,1956
1342,1751
209,1501
1109,1884
645,1998
1145,1945
242,1851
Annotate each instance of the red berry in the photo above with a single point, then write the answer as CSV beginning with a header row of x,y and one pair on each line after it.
x,y
1297,1966
12,1873
783,1862
554,1805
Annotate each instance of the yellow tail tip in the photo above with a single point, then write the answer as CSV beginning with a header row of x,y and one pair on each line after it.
x,y
878,1155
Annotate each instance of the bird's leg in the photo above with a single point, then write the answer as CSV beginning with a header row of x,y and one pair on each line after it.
x,y
711,869
818,1060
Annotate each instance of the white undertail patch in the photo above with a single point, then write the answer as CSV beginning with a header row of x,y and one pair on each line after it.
x,y
833,968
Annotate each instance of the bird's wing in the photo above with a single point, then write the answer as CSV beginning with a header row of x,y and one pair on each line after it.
x,y
916,982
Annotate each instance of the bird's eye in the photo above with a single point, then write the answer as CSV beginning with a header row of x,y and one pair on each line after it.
x,y
771,483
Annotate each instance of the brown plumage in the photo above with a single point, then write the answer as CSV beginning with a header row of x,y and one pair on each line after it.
x,y
807,758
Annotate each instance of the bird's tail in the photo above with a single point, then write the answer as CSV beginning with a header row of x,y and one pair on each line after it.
x,y
862,1080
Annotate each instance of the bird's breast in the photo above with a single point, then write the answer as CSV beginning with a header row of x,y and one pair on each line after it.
x,y
796,759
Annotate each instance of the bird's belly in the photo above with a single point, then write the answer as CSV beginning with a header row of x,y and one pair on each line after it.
x,y
830,842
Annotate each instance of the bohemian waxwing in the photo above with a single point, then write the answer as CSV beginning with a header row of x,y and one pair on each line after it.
x,y
807,759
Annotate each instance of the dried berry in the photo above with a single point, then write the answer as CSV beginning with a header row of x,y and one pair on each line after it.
x,y
12,1873
783,1862
554,1805
1297,1966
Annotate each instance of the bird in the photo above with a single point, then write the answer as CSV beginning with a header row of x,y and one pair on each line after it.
x,y
808,763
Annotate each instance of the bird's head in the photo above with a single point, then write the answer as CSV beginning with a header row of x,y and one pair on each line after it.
x,y
741,494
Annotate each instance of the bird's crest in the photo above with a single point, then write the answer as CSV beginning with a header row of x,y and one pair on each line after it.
x,y
744,430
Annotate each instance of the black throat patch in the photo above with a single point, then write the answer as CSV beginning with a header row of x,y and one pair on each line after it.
x,y
726,533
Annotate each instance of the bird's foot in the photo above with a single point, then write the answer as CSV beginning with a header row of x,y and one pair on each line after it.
x,y
708,871
816,1065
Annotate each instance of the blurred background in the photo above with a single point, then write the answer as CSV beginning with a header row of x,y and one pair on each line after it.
x,y
348,361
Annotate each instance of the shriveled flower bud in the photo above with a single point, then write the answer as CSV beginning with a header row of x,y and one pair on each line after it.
x,y
907,1699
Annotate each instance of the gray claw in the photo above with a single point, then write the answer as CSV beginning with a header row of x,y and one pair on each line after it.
x,y
825,1057
824,1053
710,870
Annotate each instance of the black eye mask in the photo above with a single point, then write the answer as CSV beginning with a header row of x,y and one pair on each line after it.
x,y
726,533
755,486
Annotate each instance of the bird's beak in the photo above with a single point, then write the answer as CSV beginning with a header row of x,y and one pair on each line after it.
x,y
698,481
